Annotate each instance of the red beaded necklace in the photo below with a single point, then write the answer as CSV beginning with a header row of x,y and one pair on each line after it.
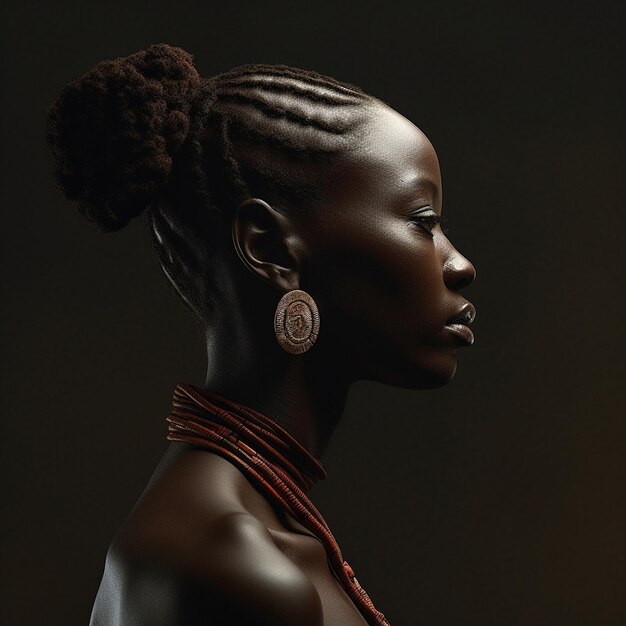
x,y
282,468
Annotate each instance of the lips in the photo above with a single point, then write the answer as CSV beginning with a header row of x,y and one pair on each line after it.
x,y
459,324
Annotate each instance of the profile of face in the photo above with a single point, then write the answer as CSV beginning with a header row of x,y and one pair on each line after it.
x,y
385,276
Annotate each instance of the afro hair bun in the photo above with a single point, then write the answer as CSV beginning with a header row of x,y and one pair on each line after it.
x,y
114,131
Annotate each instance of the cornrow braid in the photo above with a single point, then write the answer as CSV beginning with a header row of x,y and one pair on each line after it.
x,y
285,71
292,85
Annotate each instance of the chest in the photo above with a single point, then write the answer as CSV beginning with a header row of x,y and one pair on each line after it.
x,y
309,554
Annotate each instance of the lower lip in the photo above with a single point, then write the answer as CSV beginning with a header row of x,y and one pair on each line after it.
x,y
462,331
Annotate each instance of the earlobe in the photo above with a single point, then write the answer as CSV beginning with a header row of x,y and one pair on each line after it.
x,y
262,241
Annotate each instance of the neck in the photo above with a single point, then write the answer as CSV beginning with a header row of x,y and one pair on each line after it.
x,y
301,393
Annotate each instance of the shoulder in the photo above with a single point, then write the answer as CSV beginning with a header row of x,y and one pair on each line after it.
x,y
230,573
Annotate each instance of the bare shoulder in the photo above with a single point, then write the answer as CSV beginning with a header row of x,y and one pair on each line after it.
x,y
228,572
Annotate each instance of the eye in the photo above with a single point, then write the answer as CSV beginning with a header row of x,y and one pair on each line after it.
x,y
428,222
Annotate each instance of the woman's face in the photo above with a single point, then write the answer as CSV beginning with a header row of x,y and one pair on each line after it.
x,y
385,277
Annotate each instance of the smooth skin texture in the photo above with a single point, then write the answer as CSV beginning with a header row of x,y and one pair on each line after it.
x,y
203,545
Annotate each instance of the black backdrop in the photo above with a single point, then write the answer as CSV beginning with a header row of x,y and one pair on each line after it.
x,y
498,499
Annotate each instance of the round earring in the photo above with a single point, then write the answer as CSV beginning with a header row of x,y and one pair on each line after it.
x,y
296,322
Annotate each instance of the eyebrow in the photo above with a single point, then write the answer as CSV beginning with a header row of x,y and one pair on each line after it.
x,y
418,184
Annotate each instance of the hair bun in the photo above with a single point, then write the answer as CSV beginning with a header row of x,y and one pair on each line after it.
x,y
114,130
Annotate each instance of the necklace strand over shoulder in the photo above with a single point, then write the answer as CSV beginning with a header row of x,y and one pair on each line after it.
x,y
283,469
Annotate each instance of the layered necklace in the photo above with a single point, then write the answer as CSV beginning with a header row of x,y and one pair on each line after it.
x,y
276,462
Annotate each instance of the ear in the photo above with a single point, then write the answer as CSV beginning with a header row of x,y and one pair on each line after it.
x,y
267,243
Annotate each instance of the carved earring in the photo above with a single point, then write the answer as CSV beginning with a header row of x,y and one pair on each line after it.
x,y
296,322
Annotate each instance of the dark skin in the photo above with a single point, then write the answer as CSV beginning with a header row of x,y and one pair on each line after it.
x,y
203,545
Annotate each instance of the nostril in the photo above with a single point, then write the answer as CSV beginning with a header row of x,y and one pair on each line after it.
x,y
463,282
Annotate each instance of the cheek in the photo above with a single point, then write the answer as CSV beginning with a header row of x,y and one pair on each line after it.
x,y
387,280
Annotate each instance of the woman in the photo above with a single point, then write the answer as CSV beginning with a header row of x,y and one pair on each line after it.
x,y
299,218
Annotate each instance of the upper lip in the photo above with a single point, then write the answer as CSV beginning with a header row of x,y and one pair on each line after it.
x,y
465,315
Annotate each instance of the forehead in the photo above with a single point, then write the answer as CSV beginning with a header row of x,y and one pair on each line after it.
x,y
393,162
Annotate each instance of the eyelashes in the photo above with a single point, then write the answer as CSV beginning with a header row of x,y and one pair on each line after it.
x,y
432,221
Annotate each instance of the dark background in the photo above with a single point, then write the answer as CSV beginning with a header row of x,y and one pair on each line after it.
x,y
498,499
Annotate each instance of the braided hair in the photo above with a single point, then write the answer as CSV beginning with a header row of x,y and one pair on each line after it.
x,y
146,132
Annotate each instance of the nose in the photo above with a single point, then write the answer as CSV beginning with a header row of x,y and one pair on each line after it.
x,y
458,272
